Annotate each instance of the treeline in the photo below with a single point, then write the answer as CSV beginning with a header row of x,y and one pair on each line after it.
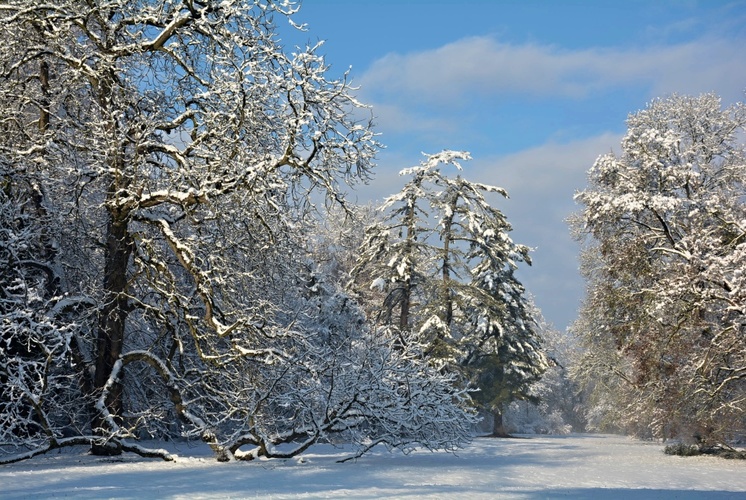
x,y
178,259
163,272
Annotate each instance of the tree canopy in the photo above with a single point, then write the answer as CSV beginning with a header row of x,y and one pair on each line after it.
x,y
156,164
444,259
664,223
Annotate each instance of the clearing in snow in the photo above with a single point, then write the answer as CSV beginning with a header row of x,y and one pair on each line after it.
x,y
575,466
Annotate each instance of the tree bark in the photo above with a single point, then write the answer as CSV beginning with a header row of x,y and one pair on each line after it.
x,y
407,286
404,313
111,325
498,427
44,101
447,236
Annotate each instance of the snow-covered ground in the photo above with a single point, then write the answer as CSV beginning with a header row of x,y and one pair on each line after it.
x,y
577,466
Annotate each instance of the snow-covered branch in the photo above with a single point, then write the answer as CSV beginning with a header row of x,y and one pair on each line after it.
x,y
665,268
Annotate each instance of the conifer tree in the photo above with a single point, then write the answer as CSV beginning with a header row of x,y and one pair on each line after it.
x,y
443,256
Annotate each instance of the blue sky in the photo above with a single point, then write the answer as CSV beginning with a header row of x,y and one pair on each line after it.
x,y
535,90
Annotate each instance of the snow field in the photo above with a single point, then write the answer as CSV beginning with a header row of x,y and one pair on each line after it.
x,y
576,466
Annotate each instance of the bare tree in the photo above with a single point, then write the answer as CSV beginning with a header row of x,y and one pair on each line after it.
x,y
172,147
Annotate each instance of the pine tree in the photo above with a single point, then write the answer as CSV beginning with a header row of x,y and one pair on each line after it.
x,y
443,256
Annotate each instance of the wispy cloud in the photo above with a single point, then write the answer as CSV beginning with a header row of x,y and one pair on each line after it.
x,y
486,66
551,168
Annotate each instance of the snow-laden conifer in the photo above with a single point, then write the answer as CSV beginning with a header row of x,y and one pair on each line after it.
x,y
446,262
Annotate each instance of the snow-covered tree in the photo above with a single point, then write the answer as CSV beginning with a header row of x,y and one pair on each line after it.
x,y
172,146
666,232
443,257
555,405
396,252
36,356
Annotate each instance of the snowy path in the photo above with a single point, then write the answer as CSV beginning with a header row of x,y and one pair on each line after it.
x,y
579,466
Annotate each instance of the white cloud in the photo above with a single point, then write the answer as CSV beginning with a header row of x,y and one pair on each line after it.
x,y
547,169
400,118
487,66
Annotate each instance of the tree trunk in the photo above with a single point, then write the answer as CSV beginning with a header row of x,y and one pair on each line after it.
x,y
44,101
498,427
111,324
407,285
447,236
404,313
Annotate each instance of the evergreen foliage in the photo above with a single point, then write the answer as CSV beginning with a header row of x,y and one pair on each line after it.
x,y
443,257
